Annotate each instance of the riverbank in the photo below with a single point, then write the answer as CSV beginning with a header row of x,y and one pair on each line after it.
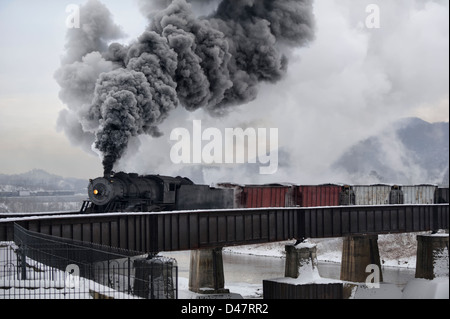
x,y
396,250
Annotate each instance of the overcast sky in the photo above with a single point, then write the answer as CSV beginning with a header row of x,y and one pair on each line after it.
x,y
346,86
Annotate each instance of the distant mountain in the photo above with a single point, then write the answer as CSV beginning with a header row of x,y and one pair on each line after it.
x,y
38,179
411,151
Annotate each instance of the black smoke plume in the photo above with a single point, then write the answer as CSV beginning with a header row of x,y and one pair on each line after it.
x,y
115,92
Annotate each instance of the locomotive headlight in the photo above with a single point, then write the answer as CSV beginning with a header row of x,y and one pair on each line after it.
x,y
101,191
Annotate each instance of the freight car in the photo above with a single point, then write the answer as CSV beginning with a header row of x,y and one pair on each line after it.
x,y
320,195
258,196
378,194
442,194
123,192
419,194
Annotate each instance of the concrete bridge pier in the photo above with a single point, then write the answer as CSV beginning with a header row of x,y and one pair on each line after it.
x,y
301,264
206,275
432,256
359,252
301,261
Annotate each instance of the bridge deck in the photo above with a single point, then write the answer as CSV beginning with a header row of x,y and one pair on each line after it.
x,y
188,230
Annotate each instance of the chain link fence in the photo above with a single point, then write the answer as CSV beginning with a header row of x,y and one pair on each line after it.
x,y
38,266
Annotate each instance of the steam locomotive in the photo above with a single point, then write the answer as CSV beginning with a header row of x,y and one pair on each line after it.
x,y
123,192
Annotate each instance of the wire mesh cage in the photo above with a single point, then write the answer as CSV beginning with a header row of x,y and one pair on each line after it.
x,y
38,266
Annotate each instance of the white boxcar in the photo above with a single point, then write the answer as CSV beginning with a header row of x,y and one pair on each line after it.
x,y
419,194
372,194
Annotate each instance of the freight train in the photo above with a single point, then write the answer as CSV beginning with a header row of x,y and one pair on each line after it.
x,y
124,192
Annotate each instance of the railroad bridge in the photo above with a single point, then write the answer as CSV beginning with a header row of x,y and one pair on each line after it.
x,y
209,230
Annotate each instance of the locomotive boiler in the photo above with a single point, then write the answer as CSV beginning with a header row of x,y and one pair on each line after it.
x,y
124,192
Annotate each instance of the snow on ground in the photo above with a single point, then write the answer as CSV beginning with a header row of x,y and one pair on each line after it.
x,y
395,251
437,288
44,282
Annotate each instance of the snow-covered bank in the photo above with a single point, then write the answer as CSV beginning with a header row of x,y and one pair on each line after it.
x,y
396,250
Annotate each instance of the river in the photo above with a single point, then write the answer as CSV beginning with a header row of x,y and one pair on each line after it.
x,y
241,269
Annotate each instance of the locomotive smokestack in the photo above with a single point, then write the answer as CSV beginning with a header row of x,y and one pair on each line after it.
x,y
213,62
108,165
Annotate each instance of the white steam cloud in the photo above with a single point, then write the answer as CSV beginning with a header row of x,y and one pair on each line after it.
x,y
346,85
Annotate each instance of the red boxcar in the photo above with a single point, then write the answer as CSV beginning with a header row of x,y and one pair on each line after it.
x,y
268,196
318,195
258,196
